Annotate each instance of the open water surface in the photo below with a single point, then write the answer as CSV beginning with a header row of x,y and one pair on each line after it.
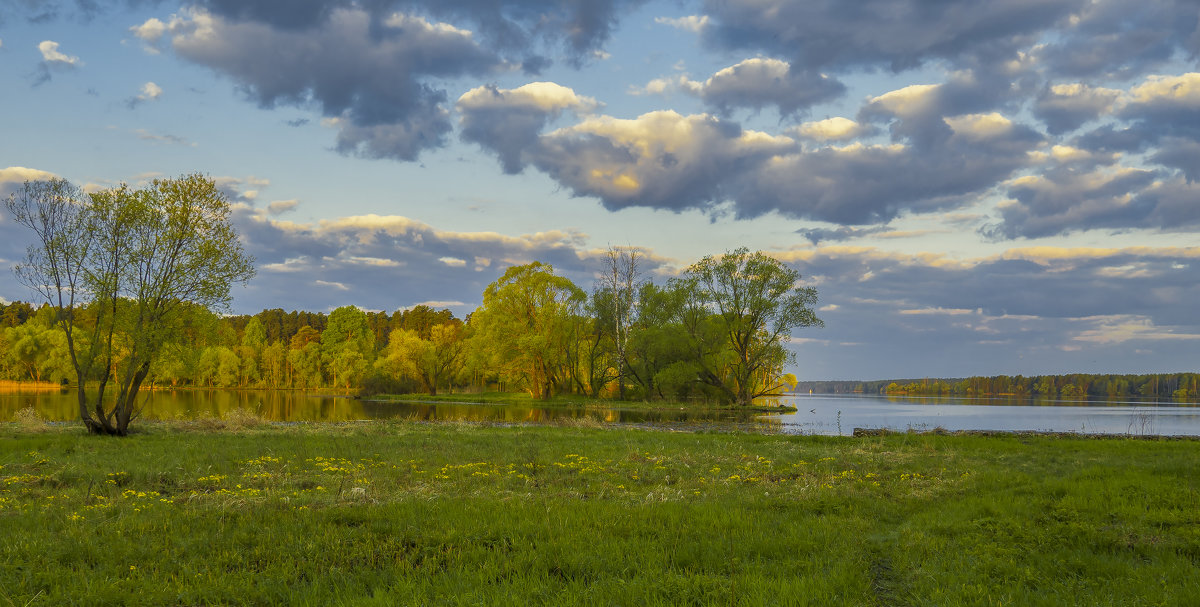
x,y
816,414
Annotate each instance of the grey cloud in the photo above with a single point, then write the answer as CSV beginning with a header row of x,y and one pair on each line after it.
x,y
373,83
760,83
897,34
659,160
865,185
1110,138
1117,39
1065,108
1172,204
513,26
668,161
509,121
1065,200
1000,315
817,235
1181,153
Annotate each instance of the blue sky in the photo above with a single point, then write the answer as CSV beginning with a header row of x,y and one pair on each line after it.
x,y
974,188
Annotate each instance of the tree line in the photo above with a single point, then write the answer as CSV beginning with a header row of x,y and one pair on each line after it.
x,y
133,282
1072,385
536,331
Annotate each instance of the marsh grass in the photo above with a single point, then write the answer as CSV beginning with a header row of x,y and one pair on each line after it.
x,y
28,419
417,513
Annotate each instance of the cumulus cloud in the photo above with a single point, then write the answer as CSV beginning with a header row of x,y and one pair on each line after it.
x,y
756,84
508,121
670,161
13,178
51,54
831,129
1065,107
149,92
897,34
660,159
1117,39
1062,200
376,79
53,60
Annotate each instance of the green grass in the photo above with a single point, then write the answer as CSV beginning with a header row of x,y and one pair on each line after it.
x,y
386,513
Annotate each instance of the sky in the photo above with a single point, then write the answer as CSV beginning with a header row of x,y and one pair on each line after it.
x,y
973,188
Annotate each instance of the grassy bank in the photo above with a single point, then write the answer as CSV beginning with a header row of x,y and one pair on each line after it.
x,y
409,513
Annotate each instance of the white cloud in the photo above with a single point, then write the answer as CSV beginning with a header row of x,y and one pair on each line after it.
x,y
691,23
335,285
1177,90
453,262
908,101
150,32
51,54
22,174
980,126
1119,328
544,96
150,92
830,129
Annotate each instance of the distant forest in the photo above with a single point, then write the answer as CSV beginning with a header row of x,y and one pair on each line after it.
x,y
1075,385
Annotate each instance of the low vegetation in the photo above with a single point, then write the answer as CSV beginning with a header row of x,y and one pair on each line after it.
x,y
244,512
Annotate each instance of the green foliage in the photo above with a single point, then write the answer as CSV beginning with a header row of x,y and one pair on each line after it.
x,y
347,346
524,328
754,304
432,361
715,335
122,269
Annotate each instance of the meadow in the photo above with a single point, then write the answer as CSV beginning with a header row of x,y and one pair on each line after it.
x,y
238,511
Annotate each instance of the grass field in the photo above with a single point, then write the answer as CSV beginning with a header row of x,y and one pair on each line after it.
x,y
387,513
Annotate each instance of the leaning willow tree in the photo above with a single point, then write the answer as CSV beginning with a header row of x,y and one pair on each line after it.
x,y
124,268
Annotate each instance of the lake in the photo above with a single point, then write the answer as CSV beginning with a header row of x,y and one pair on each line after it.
x,y
817,414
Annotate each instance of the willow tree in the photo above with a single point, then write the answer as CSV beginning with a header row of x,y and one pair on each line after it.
x,y
525,326
753,303
122,269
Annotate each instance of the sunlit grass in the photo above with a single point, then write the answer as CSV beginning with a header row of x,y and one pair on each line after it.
x,y
404,513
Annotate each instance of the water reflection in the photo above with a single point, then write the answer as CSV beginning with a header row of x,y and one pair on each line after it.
x,y
292,406
816,414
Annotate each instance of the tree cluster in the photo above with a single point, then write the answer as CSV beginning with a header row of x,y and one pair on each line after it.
x,y
1073,385
717,334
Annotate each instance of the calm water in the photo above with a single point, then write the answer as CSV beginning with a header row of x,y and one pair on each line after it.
x,y
838,414
817,414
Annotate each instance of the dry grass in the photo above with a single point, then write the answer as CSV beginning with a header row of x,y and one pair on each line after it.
x,y
8,385
29,420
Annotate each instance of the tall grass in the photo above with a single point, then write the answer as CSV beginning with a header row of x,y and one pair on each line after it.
x,y
416,513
